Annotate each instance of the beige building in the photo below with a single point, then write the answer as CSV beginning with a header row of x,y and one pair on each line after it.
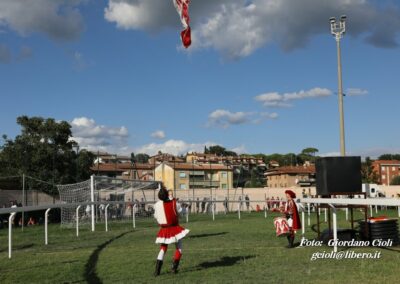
x,y
291,176
191,175
245,160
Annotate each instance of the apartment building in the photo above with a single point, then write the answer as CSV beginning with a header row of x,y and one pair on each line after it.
x,y
386,170
194,175
291,176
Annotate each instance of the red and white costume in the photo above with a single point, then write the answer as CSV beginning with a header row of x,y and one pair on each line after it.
x,y
167,216
294,219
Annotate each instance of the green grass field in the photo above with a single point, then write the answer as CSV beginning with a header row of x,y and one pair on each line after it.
x,y
226,250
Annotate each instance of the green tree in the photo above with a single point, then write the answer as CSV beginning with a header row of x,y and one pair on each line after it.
x,y
256,178
133,158
389,157
217,150
84,162
230,153
44,150
395,181
368,175
142,158
310,151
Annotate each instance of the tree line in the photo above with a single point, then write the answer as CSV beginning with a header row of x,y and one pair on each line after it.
x,y
45,150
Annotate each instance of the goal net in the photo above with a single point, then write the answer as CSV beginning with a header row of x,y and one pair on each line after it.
x,y
121,194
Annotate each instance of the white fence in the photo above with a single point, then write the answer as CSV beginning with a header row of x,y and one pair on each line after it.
x,y
239,206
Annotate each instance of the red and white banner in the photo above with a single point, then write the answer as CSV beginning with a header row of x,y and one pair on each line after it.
x,y
182,6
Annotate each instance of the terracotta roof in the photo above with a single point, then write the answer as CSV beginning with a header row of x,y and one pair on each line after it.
x,y
121,167
292,170
390,162
198,167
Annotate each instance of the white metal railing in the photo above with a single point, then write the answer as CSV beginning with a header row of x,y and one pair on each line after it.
x,y
303,202
349,201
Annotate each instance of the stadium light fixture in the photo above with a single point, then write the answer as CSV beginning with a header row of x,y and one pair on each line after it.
x,y
338,29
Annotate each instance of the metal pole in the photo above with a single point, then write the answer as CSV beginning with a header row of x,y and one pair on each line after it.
x,y
334,227
134,217
106,216
212,209
340,98
46,219
376,209
370,207
187,216
239,205
265,212
326,217
347,214
23,200
308,219
92,199
303,226
10,221
77,220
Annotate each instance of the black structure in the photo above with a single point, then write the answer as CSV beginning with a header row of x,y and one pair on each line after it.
x,y
338,175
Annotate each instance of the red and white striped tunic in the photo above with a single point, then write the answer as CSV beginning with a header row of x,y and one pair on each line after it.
x,y
167,216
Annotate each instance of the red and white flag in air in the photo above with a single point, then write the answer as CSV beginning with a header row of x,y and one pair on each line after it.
x,y
182,6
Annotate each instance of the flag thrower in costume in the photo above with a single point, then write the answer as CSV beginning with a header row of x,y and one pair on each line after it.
x,y
182,6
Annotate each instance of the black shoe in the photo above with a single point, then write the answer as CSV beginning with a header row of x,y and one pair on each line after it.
x,y
175,265
158,267
290,240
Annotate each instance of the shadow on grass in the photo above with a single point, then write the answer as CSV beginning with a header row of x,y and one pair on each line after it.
x,y
22,247
225,261
396,249
206,235
90,267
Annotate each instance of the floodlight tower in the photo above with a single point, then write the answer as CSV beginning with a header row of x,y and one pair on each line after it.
x,y
338,29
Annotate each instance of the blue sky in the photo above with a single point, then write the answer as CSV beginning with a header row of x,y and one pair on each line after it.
x,y
261,75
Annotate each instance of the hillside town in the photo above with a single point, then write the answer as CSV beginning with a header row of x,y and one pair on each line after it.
x,y
200,170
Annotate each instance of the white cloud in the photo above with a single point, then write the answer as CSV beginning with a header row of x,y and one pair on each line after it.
x,y
225,118
373,153
159,134
275,99
92,136
268,115
175,147
330,154
290,24
356,92
240,149
58,19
